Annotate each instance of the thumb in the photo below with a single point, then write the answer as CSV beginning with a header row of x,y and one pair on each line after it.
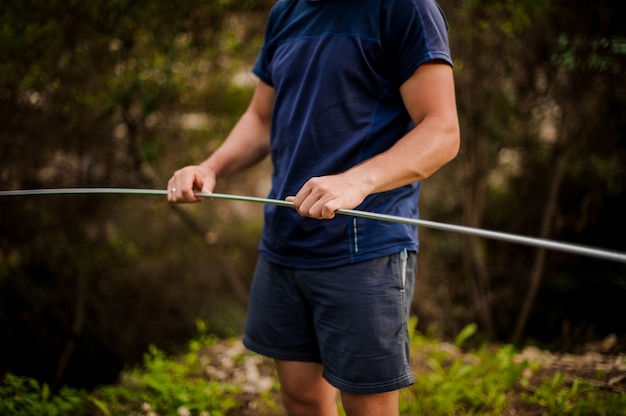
x,y
205,186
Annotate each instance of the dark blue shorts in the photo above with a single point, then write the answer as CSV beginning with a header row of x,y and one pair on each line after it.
x,y
353,319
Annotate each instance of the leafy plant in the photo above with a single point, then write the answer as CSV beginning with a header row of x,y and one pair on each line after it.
x,y
26,396
168,386
452,382
560,397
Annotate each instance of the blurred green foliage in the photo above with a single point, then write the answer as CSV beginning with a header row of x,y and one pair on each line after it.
x,y
484,380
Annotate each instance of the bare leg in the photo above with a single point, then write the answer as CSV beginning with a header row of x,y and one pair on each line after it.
x,y
304,391
371,404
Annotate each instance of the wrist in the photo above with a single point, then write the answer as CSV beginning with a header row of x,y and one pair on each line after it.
x,y
362,178
209,167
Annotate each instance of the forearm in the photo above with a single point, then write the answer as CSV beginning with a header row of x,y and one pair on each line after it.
x,y
420,153
417,155
246,145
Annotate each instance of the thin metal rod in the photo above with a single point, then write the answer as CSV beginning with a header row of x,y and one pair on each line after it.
x,y
513,238
83,191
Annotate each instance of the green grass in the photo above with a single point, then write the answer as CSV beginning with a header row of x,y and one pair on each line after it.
x,y
167,386
577,398
491,380
450,380
162,386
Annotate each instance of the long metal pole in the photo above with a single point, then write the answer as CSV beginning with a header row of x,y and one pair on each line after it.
x,y
513,238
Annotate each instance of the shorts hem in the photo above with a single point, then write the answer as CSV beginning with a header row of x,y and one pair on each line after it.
x,y
369,388
277,354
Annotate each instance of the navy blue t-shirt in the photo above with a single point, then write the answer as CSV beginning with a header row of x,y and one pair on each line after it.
x,y
336,67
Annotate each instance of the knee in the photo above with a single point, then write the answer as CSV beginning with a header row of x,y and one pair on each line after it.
x,y
304,391
303,402
296,402
371,404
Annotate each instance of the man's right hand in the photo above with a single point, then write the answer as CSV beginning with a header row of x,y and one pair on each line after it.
x,y
185,182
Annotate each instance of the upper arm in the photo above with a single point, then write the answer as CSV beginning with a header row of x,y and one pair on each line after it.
x,y
262,104
429,92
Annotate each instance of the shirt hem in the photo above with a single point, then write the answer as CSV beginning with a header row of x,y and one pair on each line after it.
x,y
323,262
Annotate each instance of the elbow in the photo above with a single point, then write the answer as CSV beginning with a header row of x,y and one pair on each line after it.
x,y
449,143
454,142
446,148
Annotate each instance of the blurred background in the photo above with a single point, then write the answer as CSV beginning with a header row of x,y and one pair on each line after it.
x,y
121,93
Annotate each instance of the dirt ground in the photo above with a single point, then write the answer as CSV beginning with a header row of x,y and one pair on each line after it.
x,y
230,362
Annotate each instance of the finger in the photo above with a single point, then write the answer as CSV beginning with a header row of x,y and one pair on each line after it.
x,y
196,184
189,195
329,209
180,187
207,185
303,201
171,190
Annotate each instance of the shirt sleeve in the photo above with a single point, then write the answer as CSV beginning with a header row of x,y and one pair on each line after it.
x,y
413,32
